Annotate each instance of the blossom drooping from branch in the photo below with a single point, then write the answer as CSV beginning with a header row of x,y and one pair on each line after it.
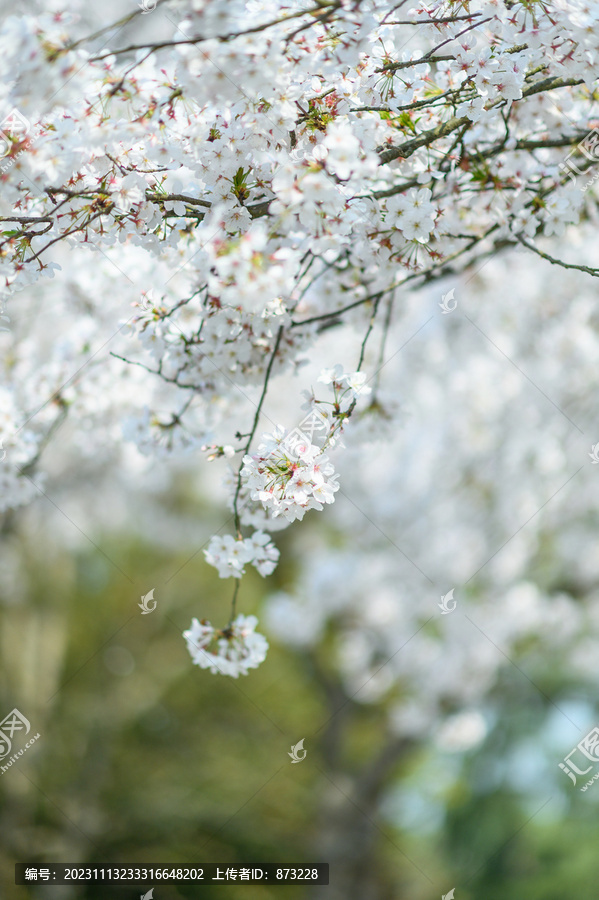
x,y
288,475
230,651
230,556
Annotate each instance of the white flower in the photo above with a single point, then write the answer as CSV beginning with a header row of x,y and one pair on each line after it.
x,y
357,384
227,555
412,212
332,376
355,381
343,150
417,227
473,109
230,651
264,556
199,636
509,82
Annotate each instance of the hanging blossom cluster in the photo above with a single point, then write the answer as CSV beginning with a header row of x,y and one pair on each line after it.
x,y
288,475
230,556
283,168
230,651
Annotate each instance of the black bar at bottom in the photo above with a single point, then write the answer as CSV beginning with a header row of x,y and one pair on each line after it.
x,y
169,873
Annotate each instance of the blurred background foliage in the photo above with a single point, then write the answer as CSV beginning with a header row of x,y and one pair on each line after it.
x,y
144,759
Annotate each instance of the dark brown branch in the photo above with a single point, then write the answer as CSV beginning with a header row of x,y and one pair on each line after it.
x,y
429,137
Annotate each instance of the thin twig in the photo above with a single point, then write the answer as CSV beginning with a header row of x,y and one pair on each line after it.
x,y
254,427
557,262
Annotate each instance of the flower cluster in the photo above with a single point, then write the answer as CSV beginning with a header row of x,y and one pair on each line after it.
x,y
230,556
355,382
288,475
347,170
230,651
412,213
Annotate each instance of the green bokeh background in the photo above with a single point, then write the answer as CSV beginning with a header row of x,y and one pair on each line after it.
x,y
145,759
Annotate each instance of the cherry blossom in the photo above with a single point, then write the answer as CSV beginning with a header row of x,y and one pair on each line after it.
x,y
289,476
263,175
231,651
230,556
